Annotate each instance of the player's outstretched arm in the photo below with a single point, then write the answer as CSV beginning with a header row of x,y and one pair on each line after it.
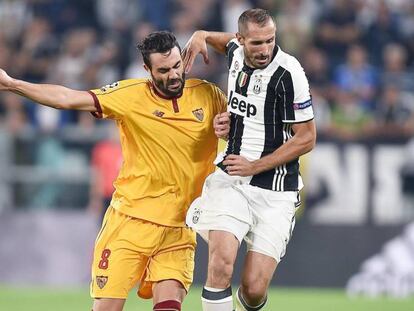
x,y
198,45
55,96
301,143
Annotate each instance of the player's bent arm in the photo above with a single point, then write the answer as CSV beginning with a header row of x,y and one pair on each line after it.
x,y
55,96
303,142
198,45
218,40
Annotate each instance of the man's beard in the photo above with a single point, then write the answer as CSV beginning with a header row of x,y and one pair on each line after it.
x,y
164,88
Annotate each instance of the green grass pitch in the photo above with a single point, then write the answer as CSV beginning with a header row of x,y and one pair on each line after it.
x,y
20,299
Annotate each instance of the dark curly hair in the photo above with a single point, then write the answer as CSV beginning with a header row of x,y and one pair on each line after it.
x,y
157,42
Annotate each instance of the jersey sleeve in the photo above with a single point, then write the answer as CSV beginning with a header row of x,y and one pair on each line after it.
x,y
220,100
231,46
297,98
110,101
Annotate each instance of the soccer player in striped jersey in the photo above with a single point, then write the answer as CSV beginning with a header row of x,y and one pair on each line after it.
x,y
169,145
255,192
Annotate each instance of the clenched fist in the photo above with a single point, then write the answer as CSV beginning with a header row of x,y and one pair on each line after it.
x,y
221,125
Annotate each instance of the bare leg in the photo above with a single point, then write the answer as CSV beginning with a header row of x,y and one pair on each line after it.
x,y
217,295
168,290
257,273
222,252
108,304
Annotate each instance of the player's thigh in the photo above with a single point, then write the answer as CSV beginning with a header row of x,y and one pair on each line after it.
x,y
108,304
114,275
258,270
168,290
173,261
222,207
273,224
222,246
220,196
117,263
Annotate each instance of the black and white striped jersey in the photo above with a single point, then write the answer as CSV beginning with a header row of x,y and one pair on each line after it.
x,y
264,103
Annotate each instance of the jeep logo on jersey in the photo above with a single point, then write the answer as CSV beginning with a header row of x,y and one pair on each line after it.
x,y
241,105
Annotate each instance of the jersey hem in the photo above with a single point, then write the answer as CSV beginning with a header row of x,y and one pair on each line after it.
x,y
297,122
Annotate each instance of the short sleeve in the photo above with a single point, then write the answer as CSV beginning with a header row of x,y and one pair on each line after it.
x,y
220,100
231,46
110,101
296,94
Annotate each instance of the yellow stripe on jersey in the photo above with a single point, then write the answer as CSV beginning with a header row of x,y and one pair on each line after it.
x,y
168,146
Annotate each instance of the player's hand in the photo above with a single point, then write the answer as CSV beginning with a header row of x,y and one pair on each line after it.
x,y
221,125
237,165
5,81
196,45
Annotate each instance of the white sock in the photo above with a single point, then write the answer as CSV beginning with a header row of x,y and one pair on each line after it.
x,y
215,299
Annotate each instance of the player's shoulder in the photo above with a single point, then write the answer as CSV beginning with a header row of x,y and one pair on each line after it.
x,y
133,82
198,84
124,85
203,88
288,61
233,44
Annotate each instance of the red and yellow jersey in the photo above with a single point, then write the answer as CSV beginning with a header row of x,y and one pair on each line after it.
x,y
168,146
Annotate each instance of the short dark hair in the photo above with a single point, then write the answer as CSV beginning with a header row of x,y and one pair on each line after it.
x,y
157,42
257,16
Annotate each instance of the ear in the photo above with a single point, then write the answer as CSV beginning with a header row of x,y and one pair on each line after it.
x,y
240,38
147,69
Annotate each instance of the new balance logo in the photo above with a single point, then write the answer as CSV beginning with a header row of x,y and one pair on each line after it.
x,y
241,105
158,113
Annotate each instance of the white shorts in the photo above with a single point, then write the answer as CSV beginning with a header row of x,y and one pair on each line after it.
x,y
263,218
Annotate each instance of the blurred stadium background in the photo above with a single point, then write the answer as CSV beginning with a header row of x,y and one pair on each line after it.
x,y
353,245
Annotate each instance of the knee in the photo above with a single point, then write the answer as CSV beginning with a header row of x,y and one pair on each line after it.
x,y
254,291
220,269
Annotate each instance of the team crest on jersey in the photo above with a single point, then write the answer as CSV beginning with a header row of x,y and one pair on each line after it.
x,y
242,79
199,114
101,281
109,86
158,113
257,86
196,215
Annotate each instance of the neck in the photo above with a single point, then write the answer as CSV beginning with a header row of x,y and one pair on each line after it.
x,y
159,93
